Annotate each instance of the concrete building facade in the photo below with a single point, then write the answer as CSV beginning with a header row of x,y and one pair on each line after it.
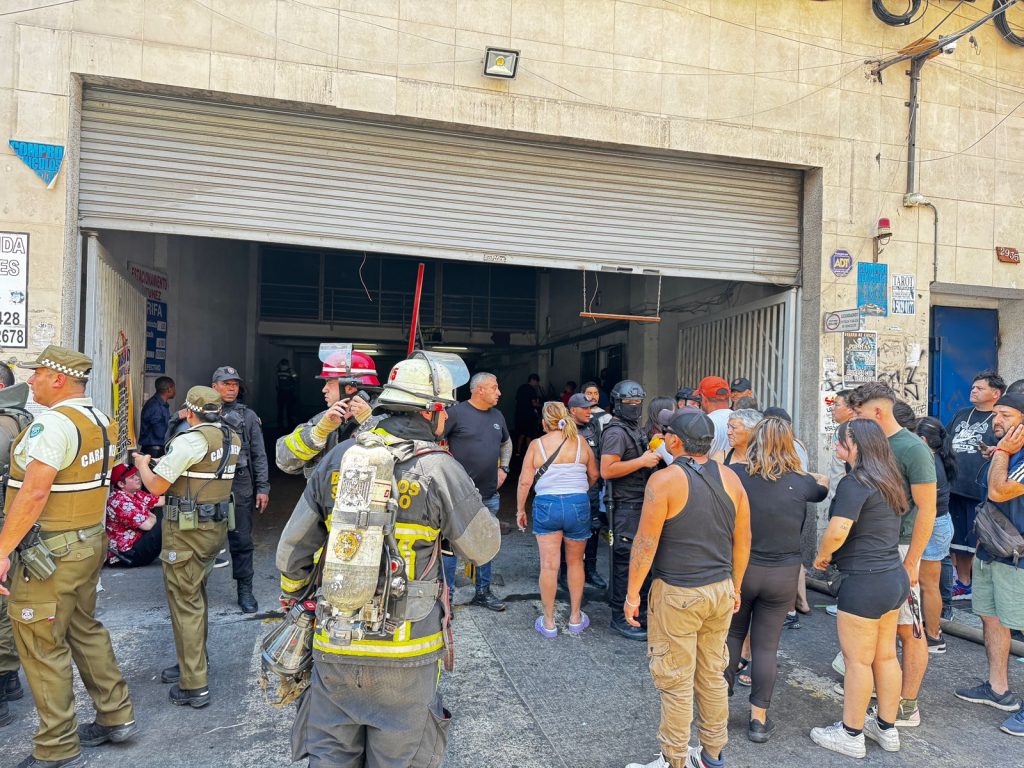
x,y
780,85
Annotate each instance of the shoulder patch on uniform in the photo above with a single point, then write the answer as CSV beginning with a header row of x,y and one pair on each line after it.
x,y
35,429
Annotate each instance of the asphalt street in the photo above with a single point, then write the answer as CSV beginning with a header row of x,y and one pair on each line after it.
x,y
517,699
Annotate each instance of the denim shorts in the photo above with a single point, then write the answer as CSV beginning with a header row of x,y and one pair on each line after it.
x,y
568,515
942,536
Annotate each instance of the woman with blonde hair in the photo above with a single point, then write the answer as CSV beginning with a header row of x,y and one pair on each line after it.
x,y
779,491
563,467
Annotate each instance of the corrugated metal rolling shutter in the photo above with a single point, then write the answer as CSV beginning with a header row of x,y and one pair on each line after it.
x,y
182,166
755,340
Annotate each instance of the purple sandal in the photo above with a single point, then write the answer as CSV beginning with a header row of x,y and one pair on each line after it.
x,y
577,629
544,631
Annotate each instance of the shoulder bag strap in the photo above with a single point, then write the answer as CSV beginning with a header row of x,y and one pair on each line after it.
x,y
547,464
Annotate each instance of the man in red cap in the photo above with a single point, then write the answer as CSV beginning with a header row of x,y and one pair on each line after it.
x,y
133,529
346,374
714,393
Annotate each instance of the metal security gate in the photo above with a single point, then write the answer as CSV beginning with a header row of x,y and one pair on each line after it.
x,y
113,304
756,341
184,166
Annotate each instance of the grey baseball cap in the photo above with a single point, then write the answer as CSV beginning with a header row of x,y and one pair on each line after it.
x,y
226,373
579,400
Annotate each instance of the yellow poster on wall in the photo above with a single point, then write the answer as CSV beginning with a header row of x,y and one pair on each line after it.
x,y
122,397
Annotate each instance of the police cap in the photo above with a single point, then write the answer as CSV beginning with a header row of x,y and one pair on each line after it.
x,y
62,360
226,373
202,400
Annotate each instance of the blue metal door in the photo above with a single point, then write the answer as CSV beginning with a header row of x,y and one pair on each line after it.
x,y
964,342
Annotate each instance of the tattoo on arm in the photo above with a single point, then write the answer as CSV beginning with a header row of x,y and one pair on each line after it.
x,y
649,494
641,556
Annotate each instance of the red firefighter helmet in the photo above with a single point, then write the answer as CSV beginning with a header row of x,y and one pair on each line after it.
x,y
353,367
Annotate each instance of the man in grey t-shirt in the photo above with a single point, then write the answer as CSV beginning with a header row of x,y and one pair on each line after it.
x,y
479,440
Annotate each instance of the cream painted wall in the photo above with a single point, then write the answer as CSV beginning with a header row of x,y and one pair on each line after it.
x,y
764,80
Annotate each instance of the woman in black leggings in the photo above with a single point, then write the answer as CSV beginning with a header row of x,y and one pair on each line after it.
x,y
862,538
779,492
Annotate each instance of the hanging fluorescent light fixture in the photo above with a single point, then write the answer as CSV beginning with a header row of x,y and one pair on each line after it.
x,y
499,62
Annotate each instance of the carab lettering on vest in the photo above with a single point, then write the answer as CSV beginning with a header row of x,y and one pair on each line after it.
x,y
216,455
93,456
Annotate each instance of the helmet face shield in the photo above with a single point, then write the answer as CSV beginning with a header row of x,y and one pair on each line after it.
x,y
337,360
448,373
424,382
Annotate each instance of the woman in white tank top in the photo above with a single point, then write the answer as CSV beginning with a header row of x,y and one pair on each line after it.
x,y
561,510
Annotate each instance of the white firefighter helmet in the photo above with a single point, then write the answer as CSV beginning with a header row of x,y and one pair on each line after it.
x,y
424,382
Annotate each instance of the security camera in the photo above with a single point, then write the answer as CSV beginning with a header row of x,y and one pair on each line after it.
x,y
949,48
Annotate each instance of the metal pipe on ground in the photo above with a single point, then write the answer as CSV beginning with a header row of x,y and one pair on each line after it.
x,y
954,628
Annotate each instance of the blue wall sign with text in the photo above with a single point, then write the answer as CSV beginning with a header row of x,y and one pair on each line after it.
x,y
44,159
841,263
156,336
873,289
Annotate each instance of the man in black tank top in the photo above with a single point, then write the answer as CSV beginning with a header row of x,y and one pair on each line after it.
x,y
694,538
626,464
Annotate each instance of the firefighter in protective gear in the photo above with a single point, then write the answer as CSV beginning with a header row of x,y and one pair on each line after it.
x,y
347,375
195,474
55,508
373,698
626,462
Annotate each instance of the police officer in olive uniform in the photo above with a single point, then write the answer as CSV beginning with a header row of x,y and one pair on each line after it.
x,y
344,377
195,473
13,419
59,480
374,702
251,488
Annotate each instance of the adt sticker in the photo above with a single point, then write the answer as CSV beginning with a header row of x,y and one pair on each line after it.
x,y
44,159
841,263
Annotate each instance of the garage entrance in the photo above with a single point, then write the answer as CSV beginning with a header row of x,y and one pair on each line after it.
x,y
279,229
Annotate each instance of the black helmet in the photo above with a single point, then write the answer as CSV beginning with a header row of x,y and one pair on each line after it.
x,y
627,389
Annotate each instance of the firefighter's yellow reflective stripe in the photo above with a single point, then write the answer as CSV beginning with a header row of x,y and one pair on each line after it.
x,y
390,650
299,448
317,555
293,585
413,531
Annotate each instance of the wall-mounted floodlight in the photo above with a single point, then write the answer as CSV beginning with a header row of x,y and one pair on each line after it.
x,y
499,62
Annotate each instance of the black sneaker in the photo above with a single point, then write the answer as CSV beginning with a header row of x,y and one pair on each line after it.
x,y
197,698
246,599
791,622
488,600
937,645
10,684
171,674
759,732
626,630
94,734
596,579
78,761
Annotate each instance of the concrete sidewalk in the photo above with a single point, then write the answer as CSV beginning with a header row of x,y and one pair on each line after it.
x,y
517,699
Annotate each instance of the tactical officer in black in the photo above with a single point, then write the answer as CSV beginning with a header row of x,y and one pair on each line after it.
x,y
251,488
626,463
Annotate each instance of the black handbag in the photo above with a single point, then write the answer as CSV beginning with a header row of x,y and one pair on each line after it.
x,y
997,534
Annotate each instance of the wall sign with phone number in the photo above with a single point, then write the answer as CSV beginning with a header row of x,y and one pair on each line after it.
x,y
14,289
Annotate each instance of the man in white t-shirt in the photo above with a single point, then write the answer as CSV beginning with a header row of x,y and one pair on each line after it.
x,y
715,400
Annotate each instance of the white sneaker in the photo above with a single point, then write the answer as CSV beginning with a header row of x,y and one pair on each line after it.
x,y
693,758
99,586
832,610
888,740
839,664
904,719
659,762
835,738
